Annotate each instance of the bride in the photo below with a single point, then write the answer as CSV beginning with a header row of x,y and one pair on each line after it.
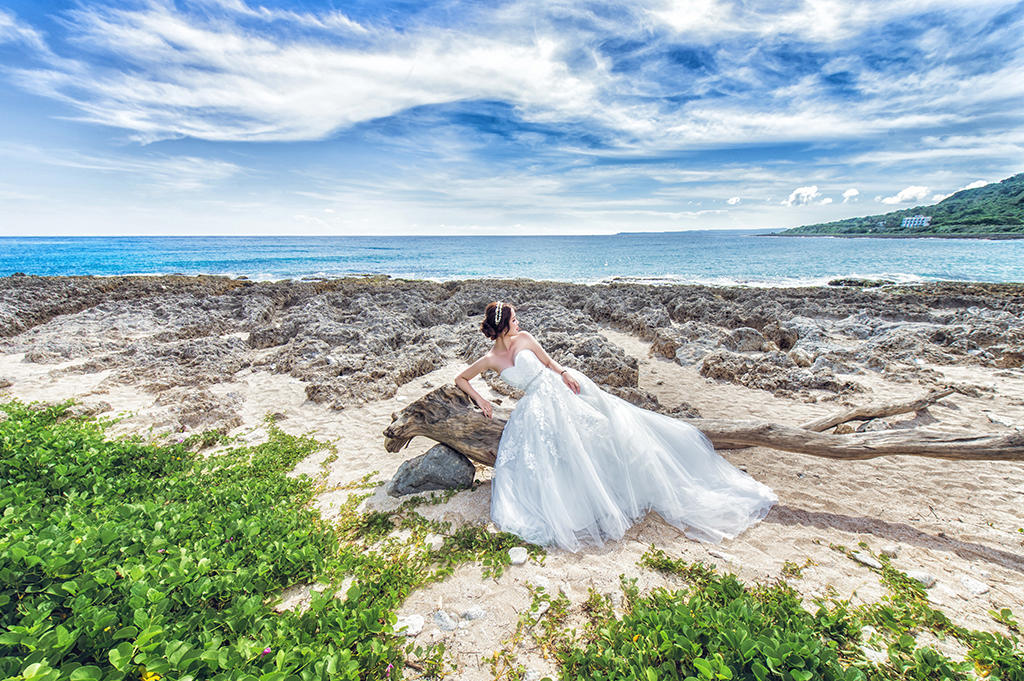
x,y
577,465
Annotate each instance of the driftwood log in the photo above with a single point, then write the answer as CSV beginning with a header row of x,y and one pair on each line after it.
x,y
447,415
867,413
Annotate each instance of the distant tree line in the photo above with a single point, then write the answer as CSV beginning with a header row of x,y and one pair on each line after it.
x,y
992,209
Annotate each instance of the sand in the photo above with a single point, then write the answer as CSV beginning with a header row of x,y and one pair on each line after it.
x,y
950,519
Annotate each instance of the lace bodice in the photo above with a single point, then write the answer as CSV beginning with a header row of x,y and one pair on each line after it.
x,y
526,366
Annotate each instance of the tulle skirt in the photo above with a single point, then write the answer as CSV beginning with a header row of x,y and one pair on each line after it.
x,y
582,469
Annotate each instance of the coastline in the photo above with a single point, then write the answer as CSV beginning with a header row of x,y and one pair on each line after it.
x,y
724,257
336,357
997,236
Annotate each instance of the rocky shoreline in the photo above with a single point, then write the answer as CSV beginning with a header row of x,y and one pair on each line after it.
x,y
351,341
170,356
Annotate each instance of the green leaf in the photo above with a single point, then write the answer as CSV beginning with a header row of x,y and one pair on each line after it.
x,y
147,635
126,632
274,676
35,670
121,656
651,674
87,673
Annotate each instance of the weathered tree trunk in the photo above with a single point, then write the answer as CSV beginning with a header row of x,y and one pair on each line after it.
x,y
866,413
855,446
447,415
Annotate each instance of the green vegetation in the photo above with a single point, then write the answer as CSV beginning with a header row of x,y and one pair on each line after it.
x,y
125,560
995,209
718,628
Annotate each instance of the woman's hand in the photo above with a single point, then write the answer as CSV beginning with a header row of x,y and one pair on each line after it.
x,y
571,382
485,407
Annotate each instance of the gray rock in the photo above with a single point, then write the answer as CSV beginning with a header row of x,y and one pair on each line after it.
x,y
444,621
784,337
86,409
410,625
691,353
532,675
823,363
771,371
801,357
867,559
745,339
441,467
474,613
926,579
518,555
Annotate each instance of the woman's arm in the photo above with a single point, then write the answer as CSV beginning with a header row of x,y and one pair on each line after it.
x,y
532,343
462,380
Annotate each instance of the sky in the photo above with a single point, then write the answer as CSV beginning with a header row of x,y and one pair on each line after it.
x,y
379,117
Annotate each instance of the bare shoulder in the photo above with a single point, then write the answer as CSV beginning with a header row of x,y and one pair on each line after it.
x,y
485,362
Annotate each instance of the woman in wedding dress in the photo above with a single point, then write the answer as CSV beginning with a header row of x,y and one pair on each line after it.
x,y
577,465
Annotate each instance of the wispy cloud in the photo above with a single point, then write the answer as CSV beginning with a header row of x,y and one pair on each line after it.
x,y
204,75
179,173
12,31
650,115
193,76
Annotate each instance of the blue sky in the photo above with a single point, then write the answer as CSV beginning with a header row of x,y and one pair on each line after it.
x,y
527,117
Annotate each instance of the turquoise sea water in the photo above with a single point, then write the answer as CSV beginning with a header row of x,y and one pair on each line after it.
x,y
710,257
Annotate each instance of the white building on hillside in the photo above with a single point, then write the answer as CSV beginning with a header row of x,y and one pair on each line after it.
x,y
916,221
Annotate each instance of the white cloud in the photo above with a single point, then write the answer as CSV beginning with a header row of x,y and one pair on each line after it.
x,y
908,195
973,185
328,20
801,196
825,201
235,76
216,81
11,30
178,173
733,201
850,194
825,21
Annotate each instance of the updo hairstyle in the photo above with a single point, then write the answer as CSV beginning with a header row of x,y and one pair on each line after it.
x,y
489,328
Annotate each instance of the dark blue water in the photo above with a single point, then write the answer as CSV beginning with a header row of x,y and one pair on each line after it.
x,y
713,257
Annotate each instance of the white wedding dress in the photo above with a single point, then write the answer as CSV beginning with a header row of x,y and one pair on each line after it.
x,y
581,469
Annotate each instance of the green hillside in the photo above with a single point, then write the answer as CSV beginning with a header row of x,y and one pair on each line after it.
x,y
996,208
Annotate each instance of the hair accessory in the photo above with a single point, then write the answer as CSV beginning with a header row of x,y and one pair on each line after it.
x,y
497,315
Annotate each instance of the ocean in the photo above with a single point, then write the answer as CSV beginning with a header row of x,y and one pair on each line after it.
x,y
719,257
